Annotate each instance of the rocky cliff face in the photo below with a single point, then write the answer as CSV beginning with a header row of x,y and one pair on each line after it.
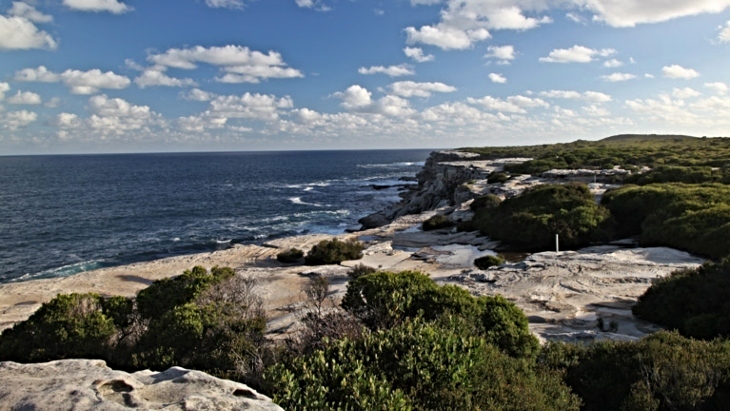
x,y
91,385
438,183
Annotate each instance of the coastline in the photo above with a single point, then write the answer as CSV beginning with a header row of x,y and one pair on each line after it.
x,y
562,293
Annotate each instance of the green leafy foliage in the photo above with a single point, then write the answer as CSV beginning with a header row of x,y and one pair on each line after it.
x,y
661,372
692,301
695,218
487,261
360,270
437,222
531,220
69,326
416,365
334,252
487,201
292,255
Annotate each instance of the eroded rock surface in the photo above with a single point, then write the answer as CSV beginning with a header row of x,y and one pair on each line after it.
x,y
91,385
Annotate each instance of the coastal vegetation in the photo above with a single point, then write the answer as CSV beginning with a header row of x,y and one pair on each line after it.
x,y
437,222
334,252
292,255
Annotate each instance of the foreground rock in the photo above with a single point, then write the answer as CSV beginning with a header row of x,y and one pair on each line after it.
x,y
91,385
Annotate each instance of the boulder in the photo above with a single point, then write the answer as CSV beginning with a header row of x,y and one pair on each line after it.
x,y
91,385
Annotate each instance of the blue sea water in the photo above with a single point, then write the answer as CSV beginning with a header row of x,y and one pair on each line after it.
x,y
60,215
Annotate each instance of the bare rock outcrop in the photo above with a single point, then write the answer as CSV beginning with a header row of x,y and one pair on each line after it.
x,y
91,385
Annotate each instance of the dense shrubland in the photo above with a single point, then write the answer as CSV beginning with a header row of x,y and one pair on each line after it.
x,y
334,252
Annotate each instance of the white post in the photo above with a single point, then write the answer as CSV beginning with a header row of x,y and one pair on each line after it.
x,y
557,244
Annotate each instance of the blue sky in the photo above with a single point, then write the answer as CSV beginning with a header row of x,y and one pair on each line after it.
x,y
97,76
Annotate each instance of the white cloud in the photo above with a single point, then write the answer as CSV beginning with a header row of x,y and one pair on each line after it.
x,y
613,63
678,72
29,12
53,102
513,104
416,53
199,124
616,77
392,71
4,88
628,13
40,74
155,76
575,18
686,92
19,33
90,82
575,54
117,116
717,87
250,106
413,89
197,94
594,110
503,53
112,6
240,63
25,97
592,96
225,4
68,120
314,4
497,78
116,107
355,97
724,35
446,37
80,82
14,120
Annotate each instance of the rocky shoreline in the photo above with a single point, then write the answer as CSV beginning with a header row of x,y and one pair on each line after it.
x,y
564,293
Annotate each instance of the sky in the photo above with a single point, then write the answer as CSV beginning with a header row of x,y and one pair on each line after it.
x,y
107,76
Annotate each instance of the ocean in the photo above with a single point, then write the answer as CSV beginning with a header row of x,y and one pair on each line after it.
x,y
60,215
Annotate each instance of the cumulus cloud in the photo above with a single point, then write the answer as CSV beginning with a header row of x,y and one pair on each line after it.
x,y
616,77
112,6
686,92
4,88
416,53
80,82
250,106
225,4
17,119
513,104
26,11
25,97
592,96
392,71
312,4
497,78
355,97
678,72
724,35
628,13
446,37
504,54
19,33
155,76
197,94
575,54
413,89
613,63
717,87
240,64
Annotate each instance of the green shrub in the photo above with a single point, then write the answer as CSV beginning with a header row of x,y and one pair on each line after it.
x,y
334,252
497,177
485,202
292,255
416,365
437,222
360,270
487,261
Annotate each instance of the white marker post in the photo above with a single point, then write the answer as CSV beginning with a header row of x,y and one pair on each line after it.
x,y
557,244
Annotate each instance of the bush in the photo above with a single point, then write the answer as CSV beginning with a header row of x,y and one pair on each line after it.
x,y
292,255
531,220
485,202
360,270
437,222
334,252
497,177
487,261
416,365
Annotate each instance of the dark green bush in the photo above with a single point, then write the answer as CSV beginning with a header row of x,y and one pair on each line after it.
x,y
487,201
334,252
360,270
661,372
497,177
437,222
531,220
487,261
416,365
292,255
675,174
